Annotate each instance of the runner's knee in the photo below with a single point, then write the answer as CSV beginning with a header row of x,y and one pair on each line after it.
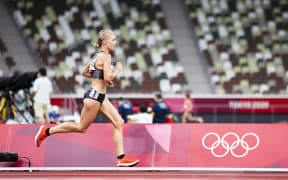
x,y
119,123
81,129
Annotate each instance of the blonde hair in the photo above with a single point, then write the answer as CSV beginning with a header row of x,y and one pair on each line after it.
x,y
102,35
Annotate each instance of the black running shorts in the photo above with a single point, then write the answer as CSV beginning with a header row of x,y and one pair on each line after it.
x,y
93,94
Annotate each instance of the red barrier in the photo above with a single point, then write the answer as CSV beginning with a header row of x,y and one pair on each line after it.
x,y
232,105
165,145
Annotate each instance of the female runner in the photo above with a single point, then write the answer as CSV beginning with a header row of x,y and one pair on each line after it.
x,y
101,74
186,111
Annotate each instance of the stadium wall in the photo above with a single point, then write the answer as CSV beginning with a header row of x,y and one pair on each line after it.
x,y
165,145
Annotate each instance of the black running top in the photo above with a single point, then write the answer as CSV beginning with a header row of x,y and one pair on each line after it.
x,y
95,73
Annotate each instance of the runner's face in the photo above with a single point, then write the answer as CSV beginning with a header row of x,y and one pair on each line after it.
x,y
111,42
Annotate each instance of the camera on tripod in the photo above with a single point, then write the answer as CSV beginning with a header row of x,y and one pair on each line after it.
x,y
14,101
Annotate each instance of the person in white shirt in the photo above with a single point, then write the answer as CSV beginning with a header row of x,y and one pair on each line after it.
x,y
41,93
142,117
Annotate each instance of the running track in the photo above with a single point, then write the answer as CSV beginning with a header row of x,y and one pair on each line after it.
x,y
134,173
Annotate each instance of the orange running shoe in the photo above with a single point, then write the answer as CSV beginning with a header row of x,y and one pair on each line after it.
x,y
126,162
41,135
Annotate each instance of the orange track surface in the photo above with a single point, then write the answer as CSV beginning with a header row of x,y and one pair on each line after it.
x,y
62,175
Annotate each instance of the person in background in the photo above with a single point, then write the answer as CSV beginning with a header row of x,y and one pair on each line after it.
x,y
142,117
125,108
160,110
186,111
41,93
54,114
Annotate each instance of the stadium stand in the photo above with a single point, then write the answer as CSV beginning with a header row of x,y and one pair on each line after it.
x,y
5,56
61,33
245,43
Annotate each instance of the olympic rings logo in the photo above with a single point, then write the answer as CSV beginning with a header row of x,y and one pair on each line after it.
x,y
230,148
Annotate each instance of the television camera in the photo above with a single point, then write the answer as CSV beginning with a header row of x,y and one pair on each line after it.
x,y
14,101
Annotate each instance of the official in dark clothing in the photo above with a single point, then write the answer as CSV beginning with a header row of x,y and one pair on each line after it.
x,y
125,108
160,110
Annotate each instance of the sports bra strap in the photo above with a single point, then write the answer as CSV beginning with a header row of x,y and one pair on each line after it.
x,y
95,73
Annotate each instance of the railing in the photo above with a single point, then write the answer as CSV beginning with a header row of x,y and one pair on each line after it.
x,y
217,113
213,110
